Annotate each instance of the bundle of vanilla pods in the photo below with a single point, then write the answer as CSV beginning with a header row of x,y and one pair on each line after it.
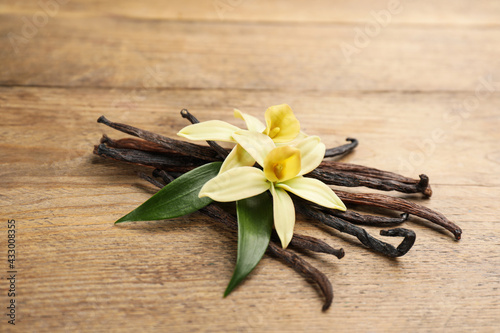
x,y
168,158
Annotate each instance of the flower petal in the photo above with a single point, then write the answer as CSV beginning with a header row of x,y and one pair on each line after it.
x,y
282,163
214,130
282,126
312,152
253,124
313,190
294,142
235,184
258,145
284,215
238,157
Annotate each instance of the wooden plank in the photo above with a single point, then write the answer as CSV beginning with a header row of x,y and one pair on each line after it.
x,y
80,272
121,52
360,11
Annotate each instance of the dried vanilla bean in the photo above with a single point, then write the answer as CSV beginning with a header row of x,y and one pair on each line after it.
x,y
167,178
313,244
385,201
137,144
309,271
349,179
175,163
364,170
361,234
341,150
174,146
373,220
150,179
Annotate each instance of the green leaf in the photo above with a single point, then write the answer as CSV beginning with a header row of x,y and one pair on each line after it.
x,y
178,198
255,224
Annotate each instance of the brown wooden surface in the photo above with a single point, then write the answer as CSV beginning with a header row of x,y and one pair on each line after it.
x,y
141,62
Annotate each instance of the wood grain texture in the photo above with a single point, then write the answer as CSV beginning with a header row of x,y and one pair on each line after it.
x,y
410,97
156,54
438,12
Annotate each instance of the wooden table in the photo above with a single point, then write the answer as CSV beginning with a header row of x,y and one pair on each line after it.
x,y
416,82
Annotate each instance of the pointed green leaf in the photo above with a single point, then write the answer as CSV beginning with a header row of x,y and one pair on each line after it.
x,y
255,224
178,198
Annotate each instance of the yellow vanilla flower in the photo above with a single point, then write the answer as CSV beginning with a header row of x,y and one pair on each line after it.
x,y
281,126
283,170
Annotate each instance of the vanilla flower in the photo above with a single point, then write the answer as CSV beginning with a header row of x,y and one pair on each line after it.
x,y
281,126
283,170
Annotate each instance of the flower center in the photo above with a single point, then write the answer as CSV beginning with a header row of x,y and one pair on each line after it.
x,y
278,170
282,163
275,131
